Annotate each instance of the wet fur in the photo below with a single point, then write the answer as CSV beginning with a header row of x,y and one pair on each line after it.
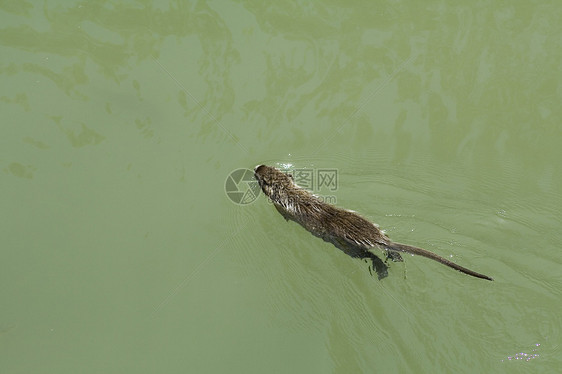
x,y
347,230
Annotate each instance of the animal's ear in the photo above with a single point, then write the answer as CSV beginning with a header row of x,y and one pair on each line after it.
x,y
291,176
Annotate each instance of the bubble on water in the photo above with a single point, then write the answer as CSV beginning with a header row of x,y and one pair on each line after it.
x,y
523,356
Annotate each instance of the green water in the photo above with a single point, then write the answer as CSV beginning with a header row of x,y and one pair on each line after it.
x,y
120,251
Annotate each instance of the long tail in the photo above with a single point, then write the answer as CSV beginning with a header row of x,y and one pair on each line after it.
x,y
422,252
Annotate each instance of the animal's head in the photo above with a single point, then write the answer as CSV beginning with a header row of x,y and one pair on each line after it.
x,y
272,181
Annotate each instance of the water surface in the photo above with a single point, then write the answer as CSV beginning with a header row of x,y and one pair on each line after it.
x,y
121,251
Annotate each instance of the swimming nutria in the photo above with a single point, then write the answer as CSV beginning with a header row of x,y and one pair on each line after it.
x,y
341,227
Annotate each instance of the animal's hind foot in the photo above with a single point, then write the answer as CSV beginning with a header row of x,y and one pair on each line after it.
x,y
394,256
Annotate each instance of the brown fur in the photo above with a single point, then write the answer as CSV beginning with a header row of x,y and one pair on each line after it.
x,y
343,228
